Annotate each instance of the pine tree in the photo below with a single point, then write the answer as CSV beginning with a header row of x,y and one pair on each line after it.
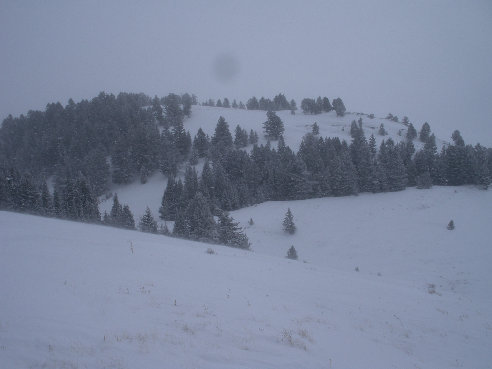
x,y
273,127
46,203
253,137
326,105
126,218
199,221
174,115
424,132
252,104
411,132
201,143
292,253
226,103
229,233
450,225
222,138
116,211
382,131
288,222
181,228
241,137
339,107
157,111
315,129
147,222
171,200
187,101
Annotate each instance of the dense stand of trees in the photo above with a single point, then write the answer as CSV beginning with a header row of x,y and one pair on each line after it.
x,y
129,136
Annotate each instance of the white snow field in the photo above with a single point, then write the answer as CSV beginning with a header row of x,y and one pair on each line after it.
x,y
76,295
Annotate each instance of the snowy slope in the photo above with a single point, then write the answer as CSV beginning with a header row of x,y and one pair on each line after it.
x,y
138,196
83,296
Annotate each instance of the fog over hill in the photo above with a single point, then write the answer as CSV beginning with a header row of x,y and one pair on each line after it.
x,y
428,60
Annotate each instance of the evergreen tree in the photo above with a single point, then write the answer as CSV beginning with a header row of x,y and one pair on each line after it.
x,y
288,223
326,105
411,132
147,222
481,167
116,211
181,140
292,253
273,127
372,145
252,104
450,225
126,218
219,104
234,104
253,137
226,103
121,162
382,131
394,168
315,129
190,185
187,101
201,143
230,234
199,221
339,107
424,132
168,155
241,137
157,111
174,115
308,106
171,200
457,139
293,105
46,203
181,228
222,138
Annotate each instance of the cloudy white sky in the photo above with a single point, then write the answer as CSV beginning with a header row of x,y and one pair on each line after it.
x,y
430,60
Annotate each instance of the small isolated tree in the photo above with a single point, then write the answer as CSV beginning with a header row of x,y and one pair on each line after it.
x,y
147,222
292,253
382,131
274,127
288,223
315,129
251,222
450,225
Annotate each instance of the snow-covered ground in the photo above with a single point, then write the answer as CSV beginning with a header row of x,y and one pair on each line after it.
x,y
74,295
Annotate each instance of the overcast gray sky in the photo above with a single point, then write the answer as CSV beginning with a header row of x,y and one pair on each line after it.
x,y
430,60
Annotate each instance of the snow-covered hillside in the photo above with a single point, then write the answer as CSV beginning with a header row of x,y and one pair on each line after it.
x,y
75,295
138,196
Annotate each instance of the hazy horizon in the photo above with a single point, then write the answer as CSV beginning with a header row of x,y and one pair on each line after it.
x,y
427,60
